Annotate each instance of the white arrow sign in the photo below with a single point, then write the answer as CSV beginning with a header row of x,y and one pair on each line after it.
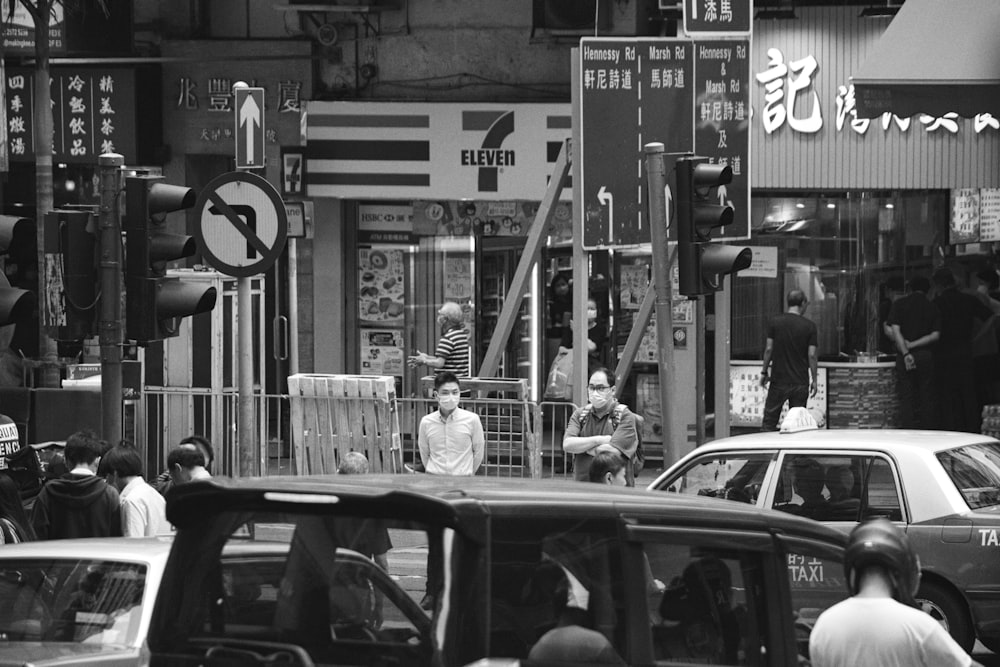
x,y
668,197
608,199
250,116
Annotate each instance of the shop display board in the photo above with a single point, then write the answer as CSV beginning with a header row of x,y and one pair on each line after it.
x,y
382,352
964,224
746,396
381,289
989,214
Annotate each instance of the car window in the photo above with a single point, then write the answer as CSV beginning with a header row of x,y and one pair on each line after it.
x,y
705,604
71,600
816,583
344,588
975,471
551,572
735,476
837,487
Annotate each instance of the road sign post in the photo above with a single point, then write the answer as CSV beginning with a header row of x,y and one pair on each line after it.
x,y
249,127
242,228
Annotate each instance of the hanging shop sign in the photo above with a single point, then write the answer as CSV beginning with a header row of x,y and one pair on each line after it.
x,y
17,30
93,112
447,151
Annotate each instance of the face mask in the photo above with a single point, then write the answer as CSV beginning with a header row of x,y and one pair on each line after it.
x,y
598,400
592,314
448,403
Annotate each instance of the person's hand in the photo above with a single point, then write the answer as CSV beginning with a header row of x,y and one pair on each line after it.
x,y
605,448
416,360
910,361
813,388
764,379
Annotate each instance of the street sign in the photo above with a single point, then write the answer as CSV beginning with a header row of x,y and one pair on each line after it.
x,y
632,92
722,122
242,224
712,17
249,127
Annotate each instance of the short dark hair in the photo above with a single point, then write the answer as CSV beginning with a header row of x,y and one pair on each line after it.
x,y
83,447
185,457
443,378
919,284
609,376
203,442
796,297
943,277
606,462
123,460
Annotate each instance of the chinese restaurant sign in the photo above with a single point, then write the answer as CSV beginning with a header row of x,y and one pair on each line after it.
x,y
18,29
93,112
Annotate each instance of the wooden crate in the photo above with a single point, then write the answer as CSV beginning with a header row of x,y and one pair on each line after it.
x,y
334,414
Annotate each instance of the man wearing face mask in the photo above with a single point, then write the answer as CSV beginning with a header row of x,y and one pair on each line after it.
x,y
603,425
451,442
452,353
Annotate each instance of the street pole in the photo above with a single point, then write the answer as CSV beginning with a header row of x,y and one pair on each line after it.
x,y
245,427
111,335
656,184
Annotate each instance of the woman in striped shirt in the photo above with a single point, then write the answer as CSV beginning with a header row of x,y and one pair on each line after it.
x,y
452,353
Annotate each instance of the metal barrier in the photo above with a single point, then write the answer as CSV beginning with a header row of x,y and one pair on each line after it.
x,y
167,415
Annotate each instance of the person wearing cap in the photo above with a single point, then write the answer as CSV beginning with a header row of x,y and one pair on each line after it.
x,y
880,625
790,364
452,352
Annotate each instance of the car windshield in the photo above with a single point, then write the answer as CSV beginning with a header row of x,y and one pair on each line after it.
x,y
94,602
975,471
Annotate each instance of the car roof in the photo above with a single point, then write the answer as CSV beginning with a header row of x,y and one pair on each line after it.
x,y
459,501
851,438
138,549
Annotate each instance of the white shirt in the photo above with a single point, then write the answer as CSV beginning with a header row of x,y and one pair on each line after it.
x,y
144,511
880,632
452,445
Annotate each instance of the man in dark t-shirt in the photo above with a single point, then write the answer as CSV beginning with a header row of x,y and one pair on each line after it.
x,y
914,326
789,361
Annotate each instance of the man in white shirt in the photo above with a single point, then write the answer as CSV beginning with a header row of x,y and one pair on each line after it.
x,y
451,442
144,511
451,439
879,625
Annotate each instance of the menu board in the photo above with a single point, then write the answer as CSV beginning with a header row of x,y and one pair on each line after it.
x,y
989,214
746,396
380,286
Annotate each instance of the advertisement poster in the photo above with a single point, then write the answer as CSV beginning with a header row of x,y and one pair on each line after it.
x,y
380,286
746,396
635,282
989,214
382,352
458,280
487,218
964,227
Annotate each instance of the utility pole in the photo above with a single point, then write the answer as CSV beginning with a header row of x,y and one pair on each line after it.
x,y
111,336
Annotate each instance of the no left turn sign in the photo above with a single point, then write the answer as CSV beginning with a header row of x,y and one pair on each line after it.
x,y
242,224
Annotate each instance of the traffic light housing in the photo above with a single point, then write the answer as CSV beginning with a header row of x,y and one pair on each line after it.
x,y
17,244
702,264
154,303
72,283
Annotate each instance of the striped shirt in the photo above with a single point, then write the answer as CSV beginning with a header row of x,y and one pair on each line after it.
x,y
453,347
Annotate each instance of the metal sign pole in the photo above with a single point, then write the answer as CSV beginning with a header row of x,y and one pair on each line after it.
x,y
658,225
111,335
248,452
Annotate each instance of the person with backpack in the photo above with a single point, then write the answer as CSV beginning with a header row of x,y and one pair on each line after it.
x,y
602,425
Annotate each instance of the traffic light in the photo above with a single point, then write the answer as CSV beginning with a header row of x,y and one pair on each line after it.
x,y
71,260
703,264
17,243
154,303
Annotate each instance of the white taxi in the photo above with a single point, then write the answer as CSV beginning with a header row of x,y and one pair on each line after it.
x,y
943,488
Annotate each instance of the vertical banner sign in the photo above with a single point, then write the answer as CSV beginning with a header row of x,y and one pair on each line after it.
x,y
722,122
633,91
249,127
706,17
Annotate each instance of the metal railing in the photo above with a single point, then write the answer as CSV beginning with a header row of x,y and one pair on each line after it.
x,y
166,415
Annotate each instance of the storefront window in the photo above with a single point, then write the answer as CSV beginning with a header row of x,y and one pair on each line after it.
x,y
851,253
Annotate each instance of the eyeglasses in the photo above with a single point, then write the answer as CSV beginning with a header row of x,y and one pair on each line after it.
x,y
598,387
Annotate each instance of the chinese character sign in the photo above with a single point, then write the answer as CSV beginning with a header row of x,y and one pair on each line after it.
x,y
717,16
93,112
722,121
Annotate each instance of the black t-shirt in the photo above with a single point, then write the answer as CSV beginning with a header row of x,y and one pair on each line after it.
x,y
792,335
959,311
916,317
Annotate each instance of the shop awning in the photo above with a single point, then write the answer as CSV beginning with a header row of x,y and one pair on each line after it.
x,y
935,57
